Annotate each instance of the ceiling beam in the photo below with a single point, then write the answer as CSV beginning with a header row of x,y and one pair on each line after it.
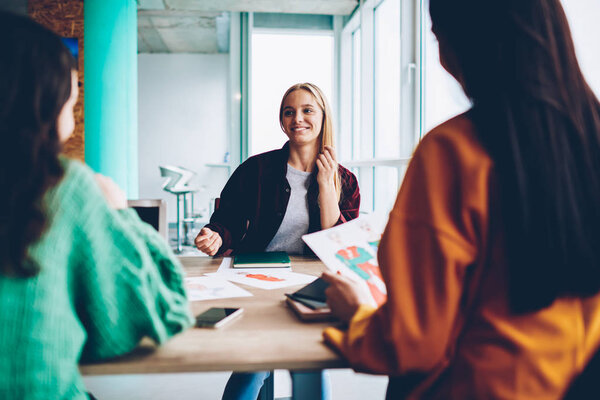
x,y
178,13
151,5
327,7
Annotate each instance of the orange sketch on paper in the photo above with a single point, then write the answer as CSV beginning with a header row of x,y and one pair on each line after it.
x,y
360,262
263,277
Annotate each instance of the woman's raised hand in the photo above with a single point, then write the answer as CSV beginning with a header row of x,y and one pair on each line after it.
x,y
208,241
327,164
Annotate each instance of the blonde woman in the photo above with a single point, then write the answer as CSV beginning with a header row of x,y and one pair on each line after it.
x,y
274,198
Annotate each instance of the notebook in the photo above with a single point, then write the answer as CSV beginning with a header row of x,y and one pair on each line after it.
x,y
272,259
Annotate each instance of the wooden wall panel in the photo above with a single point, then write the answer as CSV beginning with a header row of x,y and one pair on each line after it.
x,y
65,17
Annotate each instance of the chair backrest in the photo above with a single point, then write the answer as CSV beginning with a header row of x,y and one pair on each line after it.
x,y
153,212
178,179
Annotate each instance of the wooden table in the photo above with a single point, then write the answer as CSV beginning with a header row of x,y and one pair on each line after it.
x,y
267,336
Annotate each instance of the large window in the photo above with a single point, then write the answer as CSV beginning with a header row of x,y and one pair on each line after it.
x,y
280,59
389,86
387,81
443,97
388,89
356,145
378,95
388,141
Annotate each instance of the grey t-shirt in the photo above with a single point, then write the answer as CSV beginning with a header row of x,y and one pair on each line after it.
x,y
295,221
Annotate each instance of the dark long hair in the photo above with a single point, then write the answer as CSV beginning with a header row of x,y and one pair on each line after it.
x,y
35,83
540,122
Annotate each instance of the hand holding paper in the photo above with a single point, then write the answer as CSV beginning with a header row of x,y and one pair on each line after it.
x,y
351,248
344,295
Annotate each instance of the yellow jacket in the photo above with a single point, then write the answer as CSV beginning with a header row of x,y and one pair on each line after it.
x,y
446,330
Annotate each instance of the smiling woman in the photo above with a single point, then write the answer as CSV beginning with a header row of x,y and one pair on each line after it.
x,y
304,114
274,198
288,192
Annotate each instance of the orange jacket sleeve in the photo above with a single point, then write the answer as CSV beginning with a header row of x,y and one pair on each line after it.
x,y
432,238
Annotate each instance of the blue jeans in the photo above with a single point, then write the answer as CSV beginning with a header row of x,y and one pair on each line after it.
x,y
247,385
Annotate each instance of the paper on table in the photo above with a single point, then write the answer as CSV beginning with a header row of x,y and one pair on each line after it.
x,y
264,278
351,249
209,288
225,264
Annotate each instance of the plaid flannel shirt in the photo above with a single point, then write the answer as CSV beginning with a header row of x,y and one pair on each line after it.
x,y
255,199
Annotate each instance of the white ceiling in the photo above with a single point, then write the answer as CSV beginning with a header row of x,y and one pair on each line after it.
x,y
202,26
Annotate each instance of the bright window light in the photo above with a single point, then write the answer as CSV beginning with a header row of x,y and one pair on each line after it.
x,y
279,60
444,98
387,81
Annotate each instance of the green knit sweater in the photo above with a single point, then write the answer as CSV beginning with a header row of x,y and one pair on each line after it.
x,y
106,280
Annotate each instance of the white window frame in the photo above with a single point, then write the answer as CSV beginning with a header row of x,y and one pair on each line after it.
x,y
410,92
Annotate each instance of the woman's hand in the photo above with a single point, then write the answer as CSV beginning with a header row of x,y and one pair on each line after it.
x,y
328,199
344,295
115,197
327,164
208,241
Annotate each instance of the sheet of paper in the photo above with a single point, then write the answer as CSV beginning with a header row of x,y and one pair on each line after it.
x,y
225,264
351,249
210,288
265,278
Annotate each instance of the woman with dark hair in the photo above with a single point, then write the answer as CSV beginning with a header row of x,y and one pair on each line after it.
x,y
81,277
491,255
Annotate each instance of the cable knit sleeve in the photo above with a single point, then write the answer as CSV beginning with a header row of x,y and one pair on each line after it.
x,y
126,282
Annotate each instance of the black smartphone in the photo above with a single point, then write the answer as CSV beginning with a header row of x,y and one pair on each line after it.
x,y
216,317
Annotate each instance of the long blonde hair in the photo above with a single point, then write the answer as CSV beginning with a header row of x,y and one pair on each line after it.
x,y
327,136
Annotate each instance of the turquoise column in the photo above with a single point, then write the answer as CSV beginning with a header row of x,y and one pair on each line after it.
x,y
110,63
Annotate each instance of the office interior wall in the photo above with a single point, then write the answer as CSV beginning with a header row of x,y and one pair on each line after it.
x,y
183,100
65,18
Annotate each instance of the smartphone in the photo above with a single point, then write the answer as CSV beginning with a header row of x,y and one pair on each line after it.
x,y
216,317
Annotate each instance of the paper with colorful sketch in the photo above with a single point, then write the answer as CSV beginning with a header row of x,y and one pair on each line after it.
x,y
351,249
262,278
